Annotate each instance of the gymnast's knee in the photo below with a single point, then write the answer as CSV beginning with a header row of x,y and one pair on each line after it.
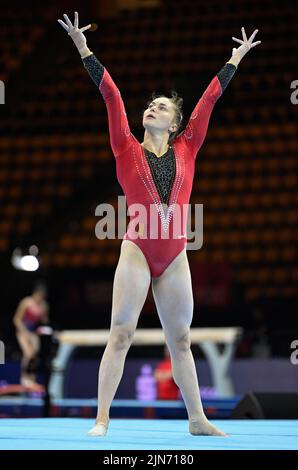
x,y
181,343
121,337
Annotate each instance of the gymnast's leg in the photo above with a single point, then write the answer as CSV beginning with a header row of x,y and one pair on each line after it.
x,y
131,283
172,292
29,343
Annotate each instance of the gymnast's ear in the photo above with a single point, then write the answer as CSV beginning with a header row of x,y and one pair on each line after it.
x,y
173,128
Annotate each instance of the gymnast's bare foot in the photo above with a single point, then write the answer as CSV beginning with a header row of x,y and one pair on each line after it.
x,y
204,428
32,385
100,428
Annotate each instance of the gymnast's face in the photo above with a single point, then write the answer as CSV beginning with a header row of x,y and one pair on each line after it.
x,y
39,295
160,115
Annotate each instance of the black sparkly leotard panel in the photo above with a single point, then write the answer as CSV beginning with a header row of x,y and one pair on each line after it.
x,y
225,74
163,170
94,68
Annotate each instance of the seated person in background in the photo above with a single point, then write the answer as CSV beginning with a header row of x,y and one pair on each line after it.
x,y
166,387
31,312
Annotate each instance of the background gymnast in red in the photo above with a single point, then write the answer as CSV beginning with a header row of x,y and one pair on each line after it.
x,y
31,311
156,173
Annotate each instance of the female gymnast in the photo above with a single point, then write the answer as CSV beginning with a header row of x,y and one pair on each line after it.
x,y
31,312
157,173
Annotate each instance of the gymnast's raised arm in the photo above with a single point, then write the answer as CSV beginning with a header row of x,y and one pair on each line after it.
x,y
196,129
120,135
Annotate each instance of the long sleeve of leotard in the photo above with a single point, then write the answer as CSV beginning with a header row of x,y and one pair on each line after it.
x,y
196,129
120,135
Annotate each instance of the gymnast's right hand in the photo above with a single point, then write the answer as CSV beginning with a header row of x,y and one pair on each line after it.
x,y
76,34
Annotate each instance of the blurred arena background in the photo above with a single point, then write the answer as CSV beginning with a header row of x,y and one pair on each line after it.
x,y
56,166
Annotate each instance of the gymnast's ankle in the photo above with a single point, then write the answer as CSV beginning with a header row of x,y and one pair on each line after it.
x,y
102,420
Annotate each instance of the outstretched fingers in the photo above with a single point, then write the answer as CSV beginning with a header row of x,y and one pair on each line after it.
x,y
253,35
69,24
76,20
249,42
244,34
63,25
255,43
85,27
237,40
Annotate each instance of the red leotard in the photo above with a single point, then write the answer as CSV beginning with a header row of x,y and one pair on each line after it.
x,y
33,314
134,175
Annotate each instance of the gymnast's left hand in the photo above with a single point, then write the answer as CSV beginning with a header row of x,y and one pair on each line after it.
x,y
246,44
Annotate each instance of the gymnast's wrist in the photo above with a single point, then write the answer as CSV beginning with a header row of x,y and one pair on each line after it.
x,y
85,52
234,60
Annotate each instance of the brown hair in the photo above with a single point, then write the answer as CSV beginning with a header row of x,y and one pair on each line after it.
x,y
178,103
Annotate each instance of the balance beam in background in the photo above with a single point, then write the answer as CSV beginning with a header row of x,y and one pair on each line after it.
x,y
207,338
